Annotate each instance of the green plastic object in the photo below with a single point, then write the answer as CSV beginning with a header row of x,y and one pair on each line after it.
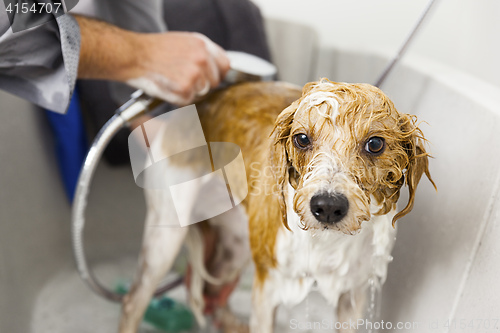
x,y
166,314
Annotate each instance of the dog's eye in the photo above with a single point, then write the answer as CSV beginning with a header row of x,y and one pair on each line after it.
x,y
301,141
375,145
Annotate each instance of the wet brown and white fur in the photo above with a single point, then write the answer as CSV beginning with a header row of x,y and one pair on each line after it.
x,y
324,169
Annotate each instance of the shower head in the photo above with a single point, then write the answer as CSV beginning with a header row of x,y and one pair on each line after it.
x,y
247,67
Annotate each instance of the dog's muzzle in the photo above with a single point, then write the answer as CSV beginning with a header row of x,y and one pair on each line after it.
x,y
329,208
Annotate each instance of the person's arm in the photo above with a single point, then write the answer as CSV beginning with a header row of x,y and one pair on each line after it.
x,y
174,66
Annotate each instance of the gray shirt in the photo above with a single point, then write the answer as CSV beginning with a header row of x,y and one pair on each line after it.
x,y
40,64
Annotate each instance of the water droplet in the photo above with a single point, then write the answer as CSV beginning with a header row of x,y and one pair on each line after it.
x,y
373,307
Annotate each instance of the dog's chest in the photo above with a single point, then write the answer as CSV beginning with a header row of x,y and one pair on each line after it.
x,y
331,261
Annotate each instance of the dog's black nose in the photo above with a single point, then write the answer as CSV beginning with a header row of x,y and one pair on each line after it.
x,y
329,208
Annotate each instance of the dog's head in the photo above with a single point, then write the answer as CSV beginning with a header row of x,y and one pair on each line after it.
x,y
347,152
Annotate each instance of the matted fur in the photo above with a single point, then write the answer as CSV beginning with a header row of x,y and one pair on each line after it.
x,y
337,161
262,119
339,118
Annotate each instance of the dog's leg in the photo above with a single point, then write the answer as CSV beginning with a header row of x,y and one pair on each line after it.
x,y
351,308
232,253
218,252
160,247
264,303
157,256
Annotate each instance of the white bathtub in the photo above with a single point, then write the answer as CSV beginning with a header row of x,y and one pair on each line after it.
x,y
446,256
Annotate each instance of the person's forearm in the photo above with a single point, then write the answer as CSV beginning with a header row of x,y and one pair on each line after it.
x,y
174,66
106,52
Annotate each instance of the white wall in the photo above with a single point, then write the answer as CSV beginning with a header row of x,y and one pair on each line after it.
x,y
462,33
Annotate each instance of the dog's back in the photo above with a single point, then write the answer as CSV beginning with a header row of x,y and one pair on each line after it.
x,y
245,114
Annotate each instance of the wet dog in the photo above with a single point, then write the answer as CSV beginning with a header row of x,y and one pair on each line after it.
x,y
324,170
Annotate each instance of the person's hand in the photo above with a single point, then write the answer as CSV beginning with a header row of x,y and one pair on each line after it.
x,y
178,66
174,66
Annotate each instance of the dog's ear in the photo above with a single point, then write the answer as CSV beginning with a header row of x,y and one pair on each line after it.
x,y
417,161
279,156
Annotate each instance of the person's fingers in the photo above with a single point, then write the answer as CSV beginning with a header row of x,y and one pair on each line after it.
x,y
204,89
194,65
213,72
159,86
189,81
221,60
200,82
218,63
